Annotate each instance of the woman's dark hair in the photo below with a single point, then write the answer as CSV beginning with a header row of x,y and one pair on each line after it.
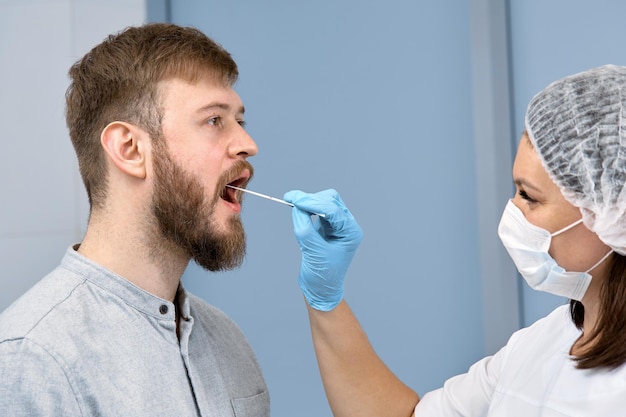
x,y
606,345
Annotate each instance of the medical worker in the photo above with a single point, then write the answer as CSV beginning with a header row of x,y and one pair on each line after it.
x,y
565,229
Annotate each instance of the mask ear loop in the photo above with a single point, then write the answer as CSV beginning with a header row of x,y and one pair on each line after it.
x,y
576,223
600,261
566,228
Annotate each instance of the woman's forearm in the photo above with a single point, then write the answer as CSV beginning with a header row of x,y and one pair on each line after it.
x,y
356,380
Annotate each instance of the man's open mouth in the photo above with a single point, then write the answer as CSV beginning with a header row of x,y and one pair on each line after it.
x,y
232,195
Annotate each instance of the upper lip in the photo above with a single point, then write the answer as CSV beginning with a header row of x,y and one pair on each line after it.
x,y
241,180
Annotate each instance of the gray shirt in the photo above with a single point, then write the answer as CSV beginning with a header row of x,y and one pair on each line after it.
x,y
86,342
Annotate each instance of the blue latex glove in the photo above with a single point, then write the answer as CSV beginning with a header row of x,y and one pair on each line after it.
x,y
327,245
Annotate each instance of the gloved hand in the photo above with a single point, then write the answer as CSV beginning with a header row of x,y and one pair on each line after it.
x,y
327,245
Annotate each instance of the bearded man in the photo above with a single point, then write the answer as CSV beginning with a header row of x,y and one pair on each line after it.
x,y
158,131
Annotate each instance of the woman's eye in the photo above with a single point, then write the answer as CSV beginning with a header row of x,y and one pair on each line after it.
x,y
242,123
525,196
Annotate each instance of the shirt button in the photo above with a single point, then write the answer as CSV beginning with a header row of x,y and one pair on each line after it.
x,y
163,309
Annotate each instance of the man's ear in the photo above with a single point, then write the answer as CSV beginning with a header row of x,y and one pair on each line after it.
x,y
125,145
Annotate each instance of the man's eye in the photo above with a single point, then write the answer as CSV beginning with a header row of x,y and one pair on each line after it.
x,y
214,121
242,123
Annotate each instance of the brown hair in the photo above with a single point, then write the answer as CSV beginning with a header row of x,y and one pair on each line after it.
x,y
607,343
118,79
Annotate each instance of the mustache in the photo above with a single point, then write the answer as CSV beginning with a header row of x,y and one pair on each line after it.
x,y
234,173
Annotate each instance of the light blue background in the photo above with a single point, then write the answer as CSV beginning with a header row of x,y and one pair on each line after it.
x,y
372,99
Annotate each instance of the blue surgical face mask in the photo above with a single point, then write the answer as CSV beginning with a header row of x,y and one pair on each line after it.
x,y
528,245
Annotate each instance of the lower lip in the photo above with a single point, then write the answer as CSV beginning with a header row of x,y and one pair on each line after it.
x,y
236,207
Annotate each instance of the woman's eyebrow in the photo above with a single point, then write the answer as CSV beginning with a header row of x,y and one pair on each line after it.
x,y
522,182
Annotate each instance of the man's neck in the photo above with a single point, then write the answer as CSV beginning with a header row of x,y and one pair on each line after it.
x,y
142,257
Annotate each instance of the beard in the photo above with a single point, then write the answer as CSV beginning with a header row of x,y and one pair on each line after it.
x,y
186,218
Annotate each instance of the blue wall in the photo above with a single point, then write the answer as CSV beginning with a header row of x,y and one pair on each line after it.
x,y
373,99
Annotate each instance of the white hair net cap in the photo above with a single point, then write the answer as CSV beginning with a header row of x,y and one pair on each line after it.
x,y
578,127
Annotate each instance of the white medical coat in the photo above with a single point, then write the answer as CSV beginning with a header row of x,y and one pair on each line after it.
x,y
533,375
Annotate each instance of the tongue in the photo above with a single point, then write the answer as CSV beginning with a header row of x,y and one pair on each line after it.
x,y
229,195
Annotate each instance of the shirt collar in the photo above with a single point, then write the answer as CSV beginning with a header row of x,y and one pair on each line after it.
x,y
119,286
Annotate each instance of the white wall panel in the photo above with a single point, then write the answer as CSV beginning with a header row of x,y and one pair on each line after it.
x,y
27,259
43,205
36,165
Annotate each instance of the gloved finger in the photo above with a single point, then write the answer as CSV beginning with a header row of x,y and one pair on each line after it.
x,y
303,226
306,201
325,202
293,195
299,199
338,223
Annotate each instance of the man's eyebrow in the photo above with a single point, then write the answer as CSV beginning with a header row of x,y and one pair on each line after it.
x,y
219,105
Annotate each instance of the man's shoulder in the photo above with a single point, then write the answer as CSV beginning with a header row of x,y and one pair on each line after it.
x,y
212,318
32,308
201,308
